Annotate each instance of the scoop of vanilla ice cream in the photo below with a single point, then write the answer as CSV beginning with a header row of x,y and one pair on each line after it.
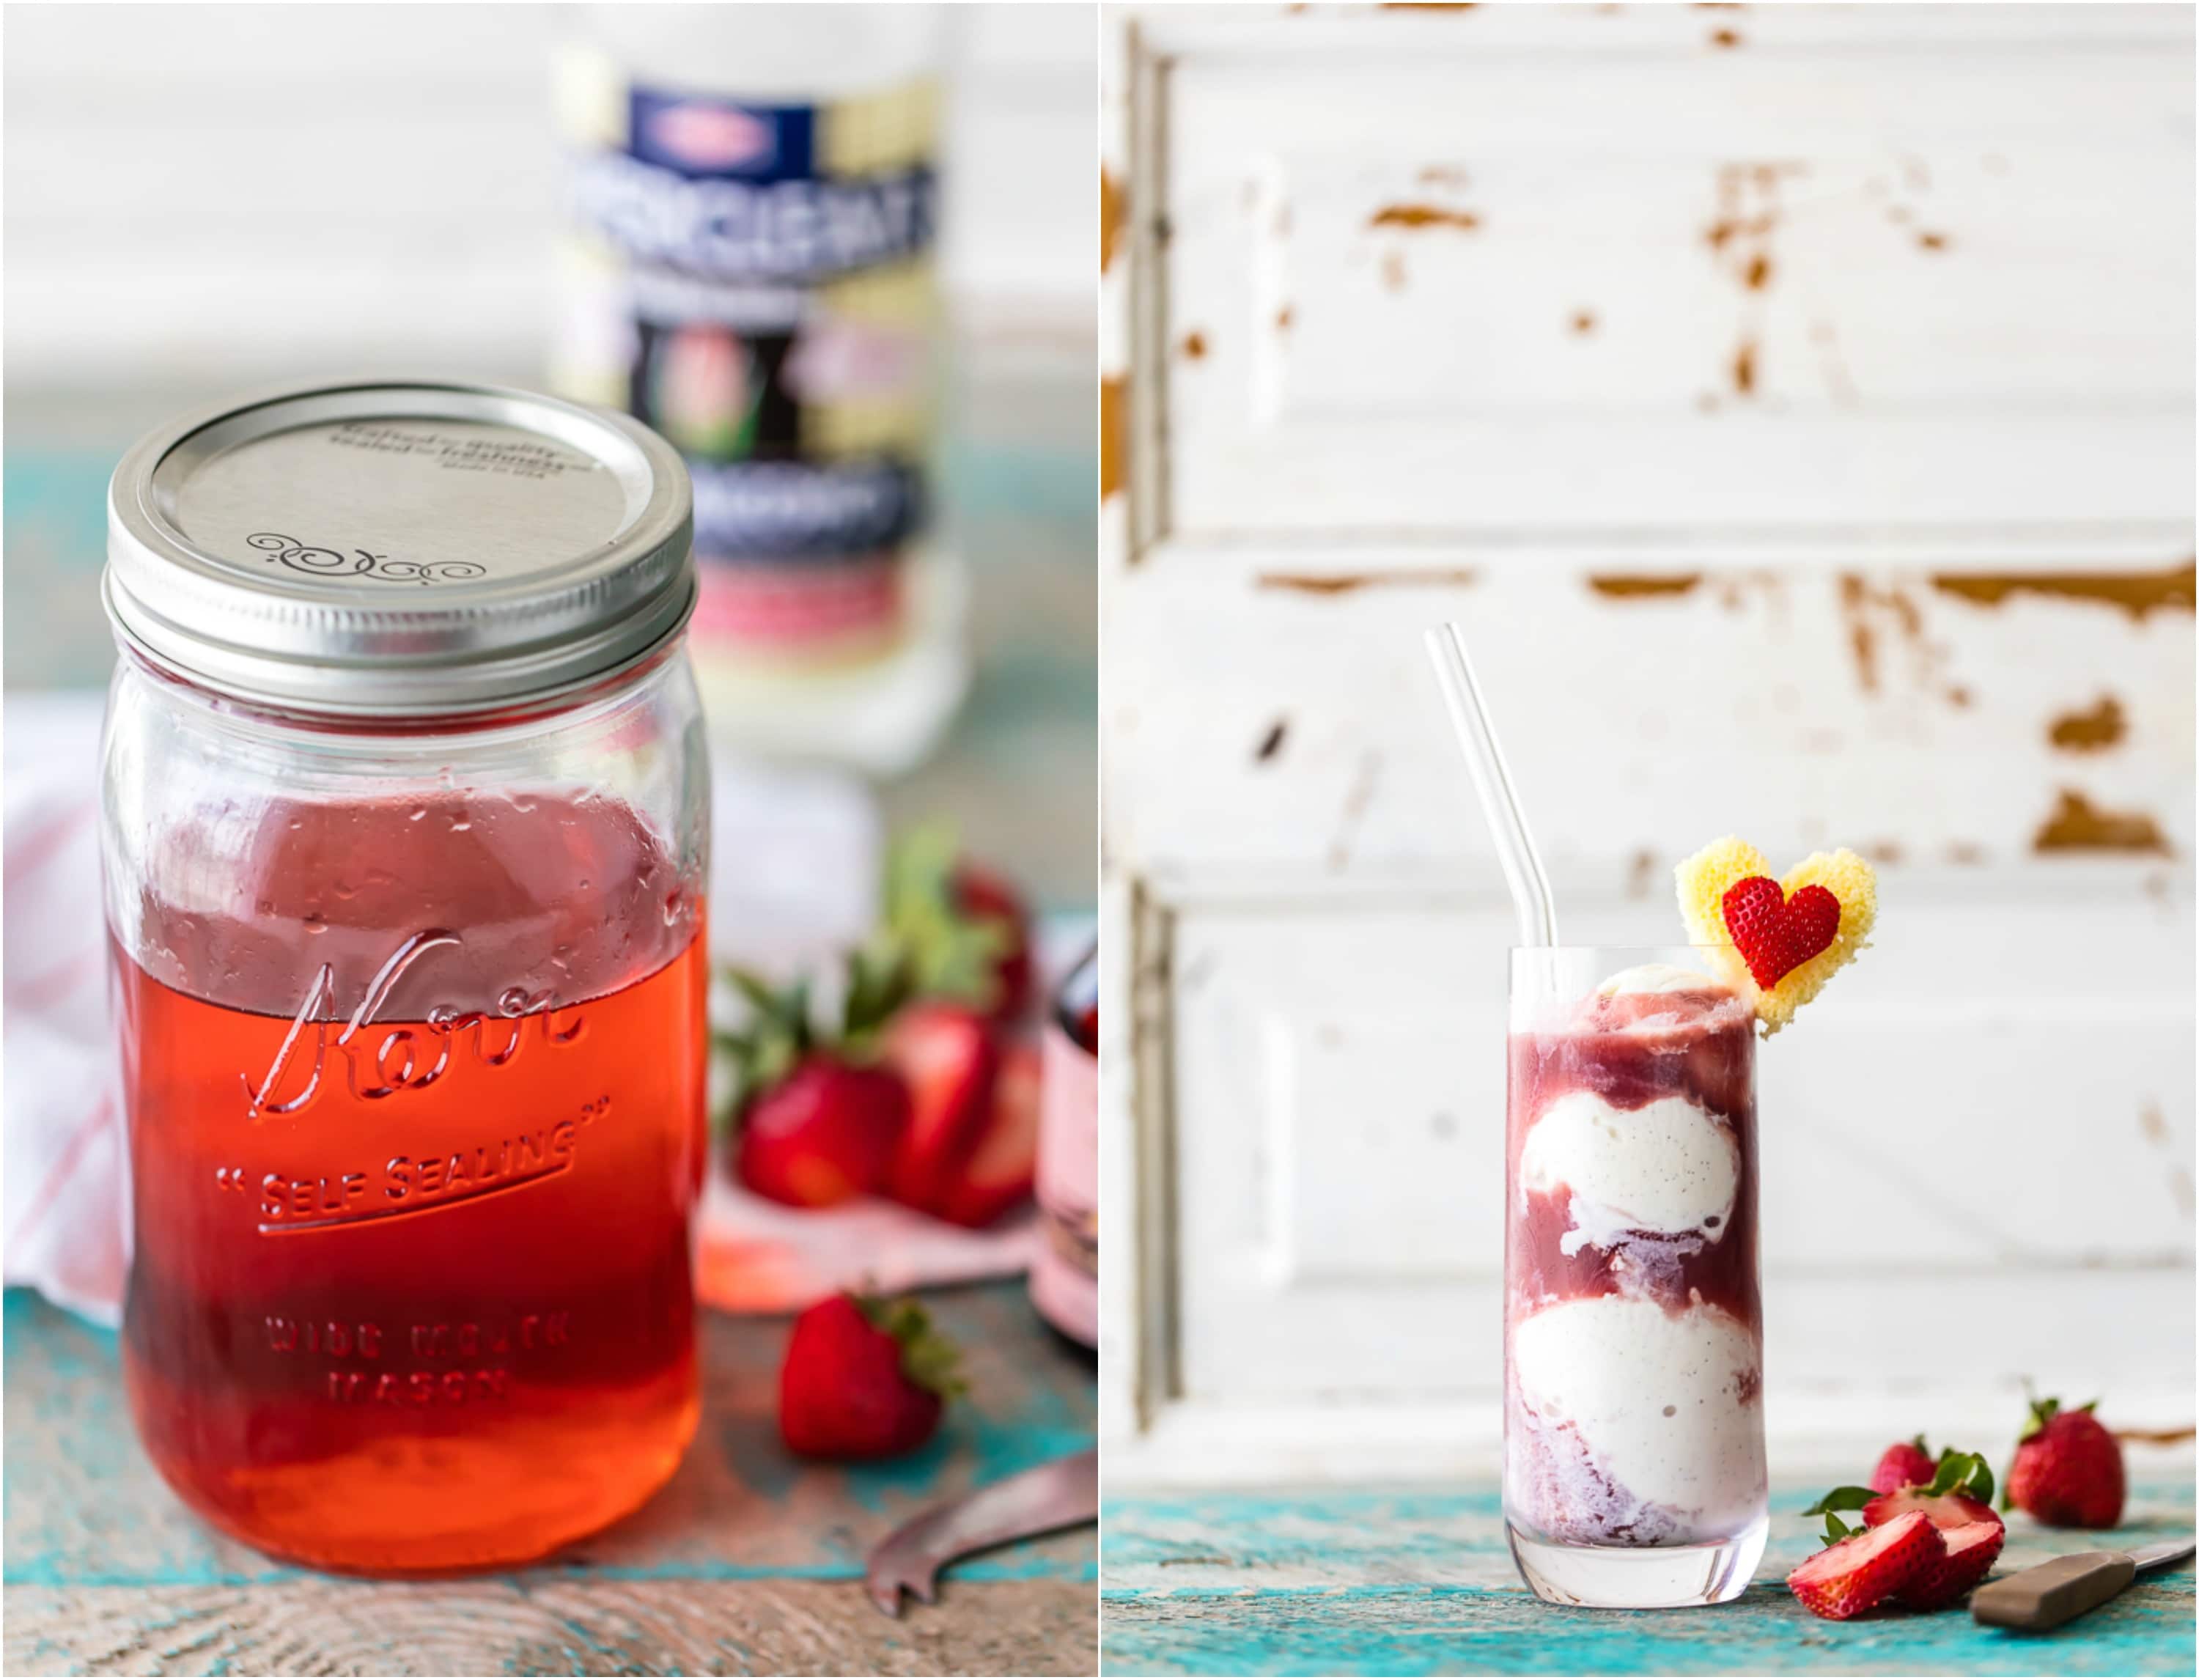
x,y
1666,1167
1660,977
1665,1401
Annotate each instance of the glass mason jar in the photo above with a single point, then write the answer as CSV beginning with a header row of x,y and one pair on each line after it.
x,y
1634,1472
406,834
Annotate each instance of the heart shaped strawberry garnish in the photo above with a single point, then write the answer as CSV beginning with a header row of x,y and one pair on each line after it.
x,y
1776,934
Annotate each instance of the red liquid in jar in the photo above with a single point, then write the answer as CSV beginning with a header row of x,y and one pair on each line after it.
x,y
429,1305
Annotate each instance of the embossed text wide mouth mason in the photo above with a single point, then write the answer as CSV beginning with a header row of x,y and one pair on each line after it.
x,y
406,836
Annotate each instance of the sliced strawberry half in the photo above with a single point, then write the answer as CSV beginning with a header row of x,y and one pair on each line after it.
x,y
1864,1567
1959,1492
1003,1164
945,1054
1946,1510
1970,1552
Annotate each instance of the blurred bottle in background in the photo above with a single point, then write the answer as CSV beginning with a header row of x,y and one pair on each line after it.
x,y
749,269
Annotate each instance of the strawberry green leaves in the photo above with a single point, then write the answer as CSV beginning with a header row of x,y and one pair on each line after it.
x,y
1955,1472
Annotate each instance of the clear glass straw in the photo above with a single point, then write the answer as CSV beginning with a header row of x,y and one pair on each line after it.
x,y
1507,824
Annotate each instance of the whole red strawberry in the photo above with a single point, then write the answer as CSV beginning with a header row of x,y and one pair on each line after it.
x,y
1863,1567
2068,1469
864,1378
816,1122
960,931
1903,1464
824,1134
987,899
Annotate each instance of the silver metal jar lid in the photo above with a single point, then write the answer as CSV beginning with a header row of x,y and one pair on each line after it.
x,y
389,548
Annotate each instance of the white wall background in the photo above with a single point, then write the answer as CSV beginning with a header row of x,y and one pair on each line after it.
x,y
1795,406
203,191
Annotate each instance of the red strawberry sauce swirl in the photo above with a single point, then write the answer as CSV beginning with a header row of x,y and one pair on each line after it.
x,y
1630,1050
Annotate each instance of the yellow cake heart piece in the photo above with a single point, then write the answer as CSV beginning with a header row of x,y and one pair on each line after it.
x,y
1704,881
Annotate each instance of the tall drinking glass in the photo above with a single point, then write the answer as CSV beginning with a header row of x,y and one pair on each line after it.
x,y
1634,1472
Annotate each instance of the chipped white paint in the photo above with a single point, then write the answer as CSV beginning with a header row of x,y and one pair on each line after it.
x,y
1974,307
1983,1134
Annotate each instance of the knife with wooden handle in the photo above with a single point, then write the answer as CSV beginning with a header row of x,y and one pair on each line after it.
x,y
2050,1594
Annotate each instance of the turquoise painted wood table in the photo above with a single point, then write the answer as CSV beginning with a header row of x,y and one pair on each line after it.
x,y
1420,1583
748,1562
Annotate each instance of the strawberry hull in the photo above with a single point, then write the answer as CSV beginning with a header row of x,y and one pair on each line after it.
x,y
1633,1317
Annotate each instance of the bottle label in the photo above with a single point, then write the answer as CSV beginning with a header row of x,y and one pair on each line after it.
x,y
755,283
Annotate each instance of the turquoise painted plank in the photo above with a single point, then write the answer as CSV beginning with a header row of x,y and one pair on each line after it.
x,y
83,1506
1437,1632
1419,1581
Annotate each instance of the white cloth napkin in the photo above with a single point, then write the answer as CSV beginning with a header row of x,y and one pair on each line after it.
x,y
796,860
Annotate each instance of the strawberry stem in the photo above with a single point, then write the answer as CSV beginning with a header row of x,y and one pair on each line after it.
x,y
928,1357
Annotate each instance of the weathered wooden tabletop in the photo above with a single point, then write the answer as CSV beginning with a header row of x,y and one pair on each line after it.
x,y
748,1562
1420,1583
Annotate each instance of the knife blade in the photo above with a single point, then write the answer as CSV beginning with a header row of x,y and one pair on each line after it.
x,y
2050,1594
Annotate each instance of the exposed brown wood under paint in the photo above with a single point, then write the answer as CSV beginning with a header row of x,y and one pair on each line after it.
x,y
1283,318
1415,216
1758,273
2137,594
1584,321
1744,368
1933,241
1194,346
1357,799
1343,583
1624,586
2078,825
1112,204
1272,741
1870,612
2092,730
1114,435
1724,37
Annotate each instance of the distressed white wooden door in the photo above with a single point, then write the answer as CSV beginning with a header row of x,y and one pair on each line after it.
x,y
1795,405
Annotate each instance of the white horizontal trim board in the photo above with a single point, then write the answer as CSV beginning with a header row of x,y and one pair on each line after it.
x,y
1940,275
1635,725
